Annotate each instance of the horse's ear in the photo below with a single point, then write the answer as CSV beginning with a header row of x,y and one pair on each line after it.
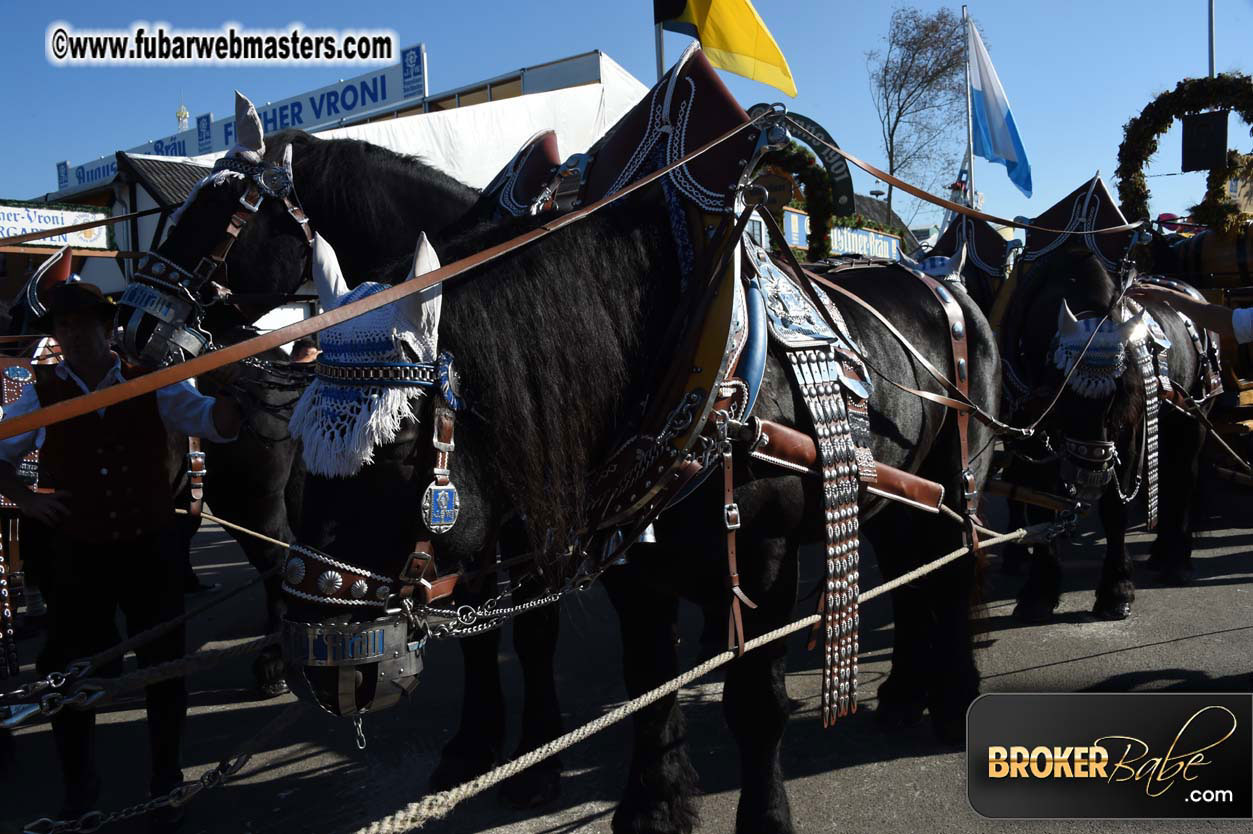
x,y
424,258
327,276
423,308
958,261
249,135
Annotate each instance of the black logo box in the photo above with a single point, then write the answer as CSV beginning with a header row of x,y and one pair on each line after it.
x,y
1220,789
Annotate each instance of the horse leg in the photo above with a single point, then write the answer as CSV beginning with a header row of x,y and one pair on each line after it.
x,y
660,796
902,696
476,746
1042,592
754,699
1115,592
1181,457
535,640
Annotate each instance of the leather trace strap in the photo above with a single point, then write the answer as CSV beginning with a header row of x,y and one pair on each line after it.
x,y
731,520
915,191
196,470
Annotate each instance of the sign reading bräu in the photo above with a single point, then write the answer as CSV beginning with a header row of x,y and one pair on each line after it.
x,y
309,111
19,219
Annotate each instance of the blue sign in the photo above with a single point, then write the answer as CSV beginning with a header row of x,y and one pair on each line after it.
x,y
320,108
866,242
413,70
204,133
63,174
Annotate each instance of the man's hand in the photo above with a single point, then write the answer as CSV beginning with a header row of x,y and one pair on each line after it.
x,y
45,507
1213,317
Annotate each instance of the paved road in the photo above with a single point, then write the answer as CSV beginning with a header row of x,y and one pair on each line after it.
x,y
850,779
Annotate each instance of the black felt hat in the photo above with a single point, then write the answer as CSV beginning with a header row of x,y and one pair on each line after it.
x,y
74,297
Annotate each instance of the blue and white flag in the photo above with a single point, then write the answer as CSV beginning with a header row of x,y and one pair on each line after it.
x,y
995,134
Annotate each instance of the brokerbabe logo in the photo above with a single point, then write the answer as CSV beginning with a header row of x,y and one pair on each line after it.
x,y
1142,755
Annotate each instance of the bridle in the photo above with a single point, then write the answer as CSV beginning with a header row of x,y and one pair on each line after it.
x,y
174,299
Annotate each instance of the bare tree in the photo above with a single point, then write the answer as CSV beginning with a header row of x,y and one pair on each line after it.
x,y
919,88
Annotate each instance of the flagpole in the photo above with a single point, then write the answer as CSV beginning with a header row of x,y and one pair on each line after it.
x,y
661,53
970,134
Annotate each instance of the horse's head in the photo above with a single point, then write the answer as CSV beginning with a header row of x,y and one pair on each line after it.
x,y
353,638
1070,307
240,231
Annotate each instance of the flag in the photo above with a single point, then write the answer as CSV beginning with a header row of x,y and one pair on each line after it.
x,y
732,35
995,134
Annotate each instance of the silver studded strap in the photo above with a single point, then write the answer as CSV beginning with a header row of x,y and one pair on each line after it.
x,y
817,373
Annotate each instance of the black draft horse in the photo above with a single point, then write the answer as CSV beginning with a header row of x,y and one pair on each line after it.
x,y
551,342
1057,294
257,481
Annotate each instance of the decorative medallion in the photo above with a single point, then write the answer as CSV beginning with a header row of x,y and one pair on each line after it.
x,y
18,373
358,589
382,592
330,582
294,570
449,381
440,505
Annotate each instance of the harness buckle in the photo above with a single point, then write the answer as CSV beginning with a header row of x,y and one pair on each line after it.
x,y
252,207
731,516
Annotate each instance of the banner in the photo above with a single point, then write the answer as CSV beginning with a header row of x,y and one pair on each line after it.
x,y
329,105
20,219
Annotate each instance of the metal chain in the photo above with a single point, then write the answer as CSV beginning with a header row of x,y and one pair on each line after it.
x,y
469,620
180,795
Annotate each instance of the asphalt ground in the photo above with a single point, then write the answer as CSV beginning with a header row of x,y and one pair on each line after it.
x,y
854,778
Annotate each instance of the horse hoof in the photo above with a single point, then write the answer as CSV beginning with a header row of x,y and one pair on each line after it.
x,y
1112,610
272,688
533,787
1033,613
950,731
893,716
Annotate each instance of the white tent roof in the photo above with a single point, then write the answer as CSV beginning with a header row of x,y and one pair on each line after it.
x,y
473,143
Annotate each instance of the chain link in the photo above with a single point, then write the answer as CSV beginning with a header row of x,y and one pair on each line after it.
x,y
180,795
468,620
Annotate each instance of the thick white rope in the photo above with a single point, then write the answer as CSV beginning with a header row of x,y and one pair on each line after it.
x,y
437,805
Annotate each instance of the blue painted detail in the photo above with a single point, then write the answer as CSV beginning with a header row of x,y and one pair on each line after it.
x,y
18,373
753,361
443,365
443,506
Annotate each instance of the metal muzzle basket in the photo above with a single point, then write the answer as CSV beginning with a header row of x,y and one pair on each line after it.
x,y
350,669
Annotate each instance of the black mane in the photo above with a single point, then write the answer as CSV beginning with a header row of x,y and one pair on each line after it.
x,y
543,340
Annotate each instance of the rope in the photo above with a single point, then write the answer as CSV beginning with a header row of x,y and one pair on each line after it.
x,y
239,529
438,805
201,660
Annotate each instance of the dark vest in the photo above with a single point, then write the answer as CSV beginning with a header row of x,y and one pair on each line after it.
x,y
115,466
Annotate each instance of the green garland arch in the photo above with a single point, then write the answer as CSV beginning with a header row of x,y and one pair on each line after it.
x,y
1233,91
819,201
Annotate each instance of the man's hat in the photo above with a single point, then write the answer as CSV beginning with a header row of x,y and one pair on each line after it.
x,y
74,297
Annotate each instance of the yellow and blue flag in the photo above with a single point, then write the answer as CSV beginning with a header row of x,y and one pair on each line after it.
x,y
732,35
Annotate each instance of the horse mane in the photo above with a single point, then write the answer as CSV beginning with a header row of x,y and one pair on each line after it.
x,y
547,341
380,193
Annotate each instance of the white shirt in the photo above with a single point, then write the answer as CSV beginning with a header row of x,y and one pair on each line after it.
x,y
1242,324
183,410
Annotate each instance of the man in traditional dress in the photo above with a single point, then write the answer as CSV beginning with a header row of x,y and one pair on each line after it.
x,y
105,494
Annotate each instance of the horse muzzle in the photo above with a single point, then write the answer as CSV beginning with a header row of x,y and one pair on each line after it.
x,y
349,669
1087,469
159,316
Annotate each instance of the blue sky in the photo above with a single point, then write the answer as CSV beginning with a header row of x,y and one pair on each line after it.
x,y
1074,72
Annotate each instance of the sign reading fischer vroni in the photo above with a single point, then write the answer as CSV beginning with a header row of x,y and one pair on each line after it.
x,y
18,219
325,106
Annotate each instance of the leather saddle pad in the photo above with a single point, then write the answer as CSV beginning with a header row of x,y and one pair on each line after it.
x,y
1088,207
520,183
985,249
687,108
